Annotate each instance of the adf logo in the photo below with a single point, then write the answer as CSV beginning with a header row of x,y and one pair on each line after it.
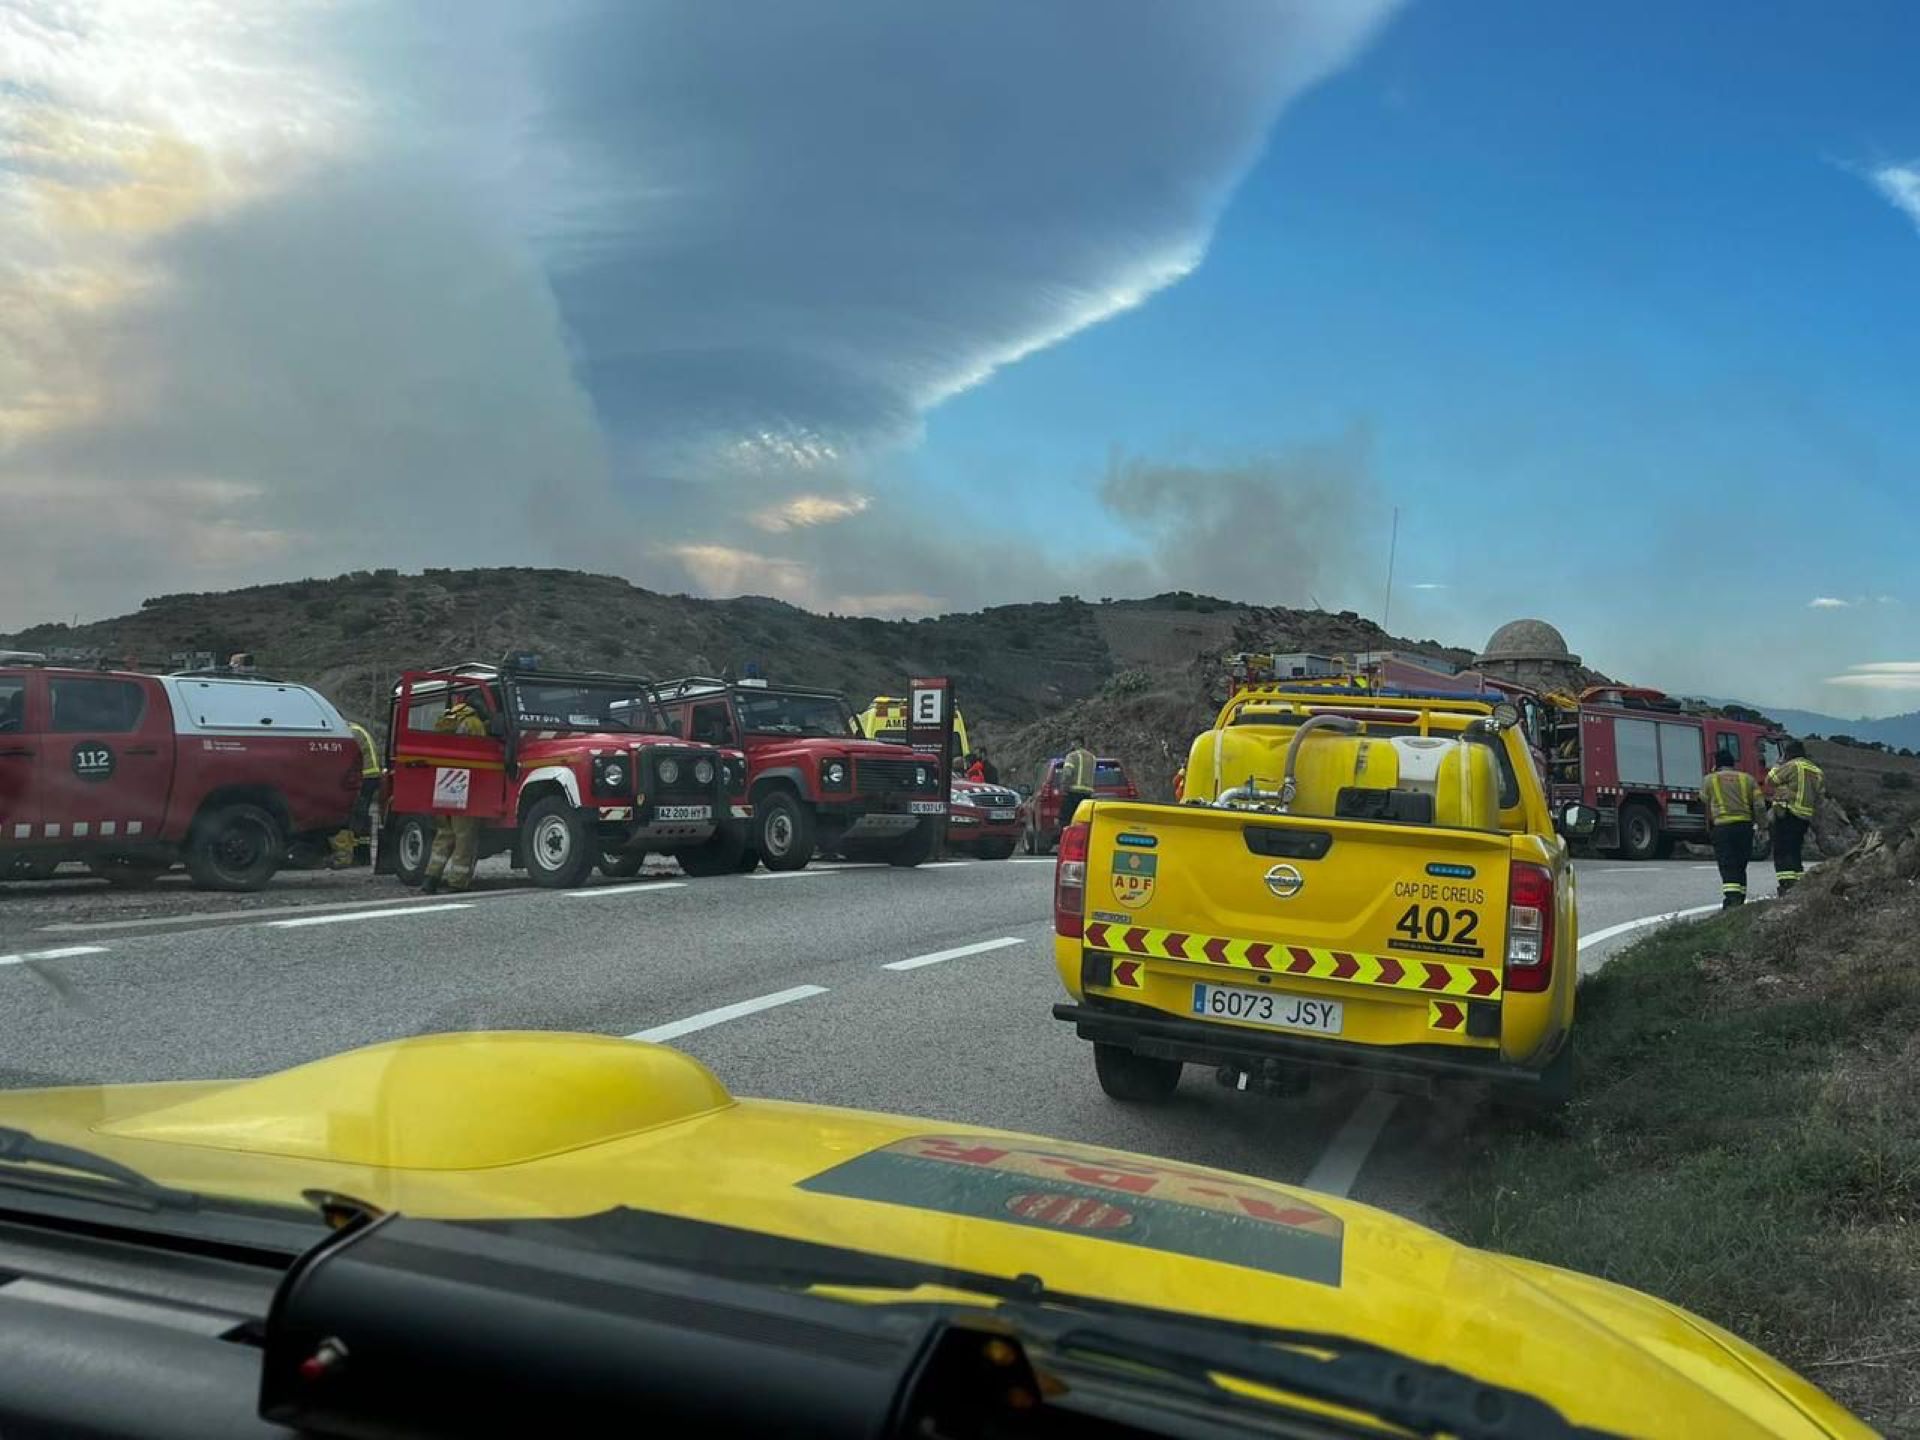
x,y
1132,878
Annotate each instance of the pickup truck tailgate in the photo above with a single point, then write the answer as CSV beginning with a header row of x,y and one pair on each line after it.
x,y
1393,913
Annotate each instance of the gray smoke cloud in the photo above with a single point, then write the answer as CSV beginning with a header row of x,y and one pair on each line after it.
x,y
646,286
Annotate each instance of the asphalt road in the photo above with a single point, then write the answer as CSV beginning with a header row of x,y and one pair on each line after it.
x,y
924,992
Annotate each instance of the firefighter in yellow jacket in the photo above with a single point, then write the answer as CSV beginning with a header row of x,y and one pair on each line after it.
x,y
456,838
360,826
1734,810
1796,785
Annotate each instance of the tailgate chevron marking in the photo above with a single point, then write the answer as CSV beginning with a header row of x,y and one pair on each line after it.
x,y
1445,1014
1354,967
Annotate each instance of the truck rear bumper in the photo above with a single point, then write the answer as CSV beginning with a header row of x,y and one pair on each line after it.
x,y
1146,1031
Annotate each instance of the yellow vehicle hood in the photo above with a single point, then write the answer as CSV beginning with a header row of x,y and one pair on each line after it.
x,y
538,1124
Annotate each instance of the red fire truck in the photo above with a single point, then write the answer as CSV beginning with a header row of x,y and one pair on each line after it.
x,y
1639,758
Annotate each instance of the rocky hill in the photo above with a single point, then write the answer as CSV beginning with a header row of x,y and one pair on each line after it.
x,y
1013,664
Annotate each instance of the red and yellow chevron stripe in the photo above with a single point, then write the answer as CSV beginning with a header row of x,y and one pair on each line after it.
x,y
1433,977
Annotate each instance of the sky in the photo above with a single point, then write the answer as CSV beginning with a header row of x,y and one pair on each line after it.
x,y
903,309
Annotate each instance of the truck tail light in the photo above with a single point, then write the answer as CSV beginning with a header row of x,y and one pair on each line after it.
x,y
1070,881
1529,928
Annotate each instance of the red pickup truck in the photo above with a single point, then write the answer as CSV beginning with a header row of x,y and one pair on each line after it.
x,y
815,783
131,772
1040,811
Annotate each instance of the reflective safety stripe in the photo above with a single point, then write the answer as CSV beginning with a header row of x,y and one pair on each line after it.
x,y
1723,810
1788,874
1734,888
1312,961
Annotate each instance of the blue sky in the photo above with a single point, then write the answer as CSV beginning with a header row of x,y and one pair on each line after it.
x,y
899,309
1629,332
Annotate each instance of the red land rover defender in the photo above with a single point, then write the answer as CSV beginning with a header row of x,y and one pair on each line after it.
x,y
815,783
575,770
132,772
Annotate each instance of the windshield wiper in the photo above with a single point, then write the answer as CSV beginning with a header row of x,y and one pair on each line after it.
x,y
21,1150
1085,1331
1415,1394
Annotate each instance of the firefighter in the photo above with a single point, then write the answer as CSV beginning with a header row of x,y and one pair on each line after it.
x,y
1734,809
456,838
1796,785
1076,779
989,772
358,825
976,767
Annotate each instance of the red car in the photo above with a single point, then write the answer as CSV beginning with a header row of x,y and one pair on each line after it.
x,y
575,770
815,783
1040,811
131,772
983,819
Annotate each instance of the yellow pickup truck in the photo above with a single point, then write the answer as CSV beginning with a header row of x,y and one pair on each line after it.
x,y
1368,882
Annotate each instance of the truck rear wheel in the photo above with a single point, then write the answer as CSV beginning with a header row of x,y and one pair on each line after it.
x,y
1140,1078
917,847
785,831
1639,832
559,851
412,848
719,854
237,847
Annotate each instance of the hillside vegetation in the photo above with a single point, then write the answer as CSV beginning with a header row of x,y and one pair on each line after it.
x,y
1013,664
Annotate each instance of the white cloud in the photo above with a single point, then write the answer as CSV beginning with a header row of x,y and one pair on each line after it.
x,y
1881,675
1829,602
803,510
1900,186
1428,585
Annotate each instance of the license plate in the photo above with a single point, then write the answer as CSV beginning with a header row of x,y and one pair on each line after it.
x,y
683,812
1006,814
1273,1008
926,807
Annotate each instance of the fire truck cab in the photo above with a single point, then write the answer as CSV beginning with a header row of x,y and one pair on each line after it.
x,y
1639,758
814,781
574,770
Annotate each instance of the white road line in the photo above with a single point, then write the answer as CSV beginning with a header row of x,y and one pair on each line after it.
x,y
809,874
954,954
1031,860
202,917
673,1029
1620,870
942,865
1337,1169
364,915
65,953
600,892
1612,930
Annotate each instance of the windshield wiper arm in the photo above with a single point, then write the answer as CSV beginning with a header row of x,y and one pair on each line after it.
x,y
20,1149
1418,1395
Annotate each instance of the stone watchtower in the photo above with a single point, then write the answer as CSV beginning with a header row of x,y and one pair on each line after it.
x,y
1534,654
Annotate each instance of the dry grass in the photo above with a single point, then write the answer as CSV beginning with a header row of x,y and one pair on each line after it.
x,y
1746,1141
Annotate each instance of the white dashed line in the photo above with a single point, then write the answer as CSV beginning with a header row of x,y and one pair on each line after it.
x,y
790,874
954,954
942,865
365,915
660,1034
65,953
601,892
1031,860
1337,1169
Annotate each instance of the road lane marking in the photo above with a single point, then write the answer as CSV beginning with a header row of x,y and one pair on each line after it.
x,y
1612,930
790,874
674,1029
1337,1169
954,954
64,953
1031,860
364,915
599,892
261,912
941,865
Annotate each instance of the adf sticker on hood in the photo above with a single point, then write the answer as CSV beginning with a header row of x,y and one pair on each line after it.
x,y
1099,1195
